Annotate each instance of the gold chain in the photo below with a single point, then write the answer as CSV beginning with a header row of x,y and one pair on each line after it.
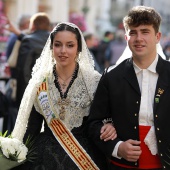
x,y
64,84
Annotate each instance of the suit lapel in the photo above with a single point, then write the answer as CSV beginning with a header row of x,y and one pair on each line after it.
x,y
162,83
130,76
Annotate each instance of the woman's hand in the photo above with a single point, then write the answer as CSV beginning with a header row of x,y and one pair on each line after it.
x,y
108,132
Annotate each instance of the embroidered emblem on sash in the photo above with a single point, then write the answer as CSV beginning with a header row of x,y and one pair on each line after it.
x,y
42,87
44,102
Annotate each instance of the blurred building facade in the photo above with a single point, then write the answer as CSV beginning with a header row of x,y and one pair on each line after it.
x,y
100,15
120,8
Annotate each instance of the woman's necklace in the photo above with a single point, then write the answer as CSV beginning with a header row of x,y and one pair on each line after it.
x,y
57,84
64,84
64,101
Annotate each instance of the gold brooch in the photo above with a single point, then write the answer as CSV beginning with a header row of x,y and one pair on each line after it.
x,y
160,92
62,103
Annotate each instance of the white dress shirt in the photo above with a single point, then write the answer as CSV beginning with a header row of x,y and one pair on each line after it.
x,y
147,79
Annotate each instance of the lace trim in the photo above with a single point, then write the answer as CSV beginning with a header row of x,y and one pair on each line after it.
x,y
79,97
150,141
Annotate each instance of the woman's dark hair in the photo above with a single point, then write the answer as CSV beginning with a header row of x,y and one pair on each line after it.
x,y
65,27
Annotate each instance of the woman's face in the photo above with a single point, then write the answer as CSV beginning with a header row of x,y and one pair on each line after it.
x,y
65,48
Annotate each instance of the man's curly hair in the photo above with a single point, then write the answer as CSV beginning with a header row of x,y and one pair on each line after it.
x,y
142,15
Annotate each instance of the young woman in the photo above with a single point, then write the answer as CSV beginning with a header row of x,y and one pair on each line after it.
x,y
62,88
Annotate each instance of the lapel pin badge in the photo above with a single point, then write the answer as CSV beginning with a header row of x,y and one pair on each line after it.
x,y
160,91
156,100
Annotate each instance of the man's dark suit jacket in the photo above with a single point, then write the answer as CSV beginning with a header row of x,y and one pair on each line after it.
x,y
118,96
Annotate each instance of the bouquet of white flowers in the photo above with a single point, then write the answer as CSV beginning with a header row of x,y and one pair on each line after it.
x,y
12,152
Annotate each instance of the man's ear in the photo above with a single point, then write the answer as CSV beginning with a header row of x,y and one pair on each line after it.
x,y
158,36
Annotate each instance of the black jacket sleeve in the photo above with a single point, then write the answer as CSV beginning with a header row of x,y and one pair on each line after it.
x,y
34,124
98,112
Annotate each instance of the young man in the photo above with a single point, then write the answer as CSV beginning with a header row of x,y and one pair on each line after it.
x,y
136,94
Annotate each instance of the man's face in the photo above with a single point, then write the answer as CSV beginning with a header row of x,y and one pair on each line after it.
x,y
142,41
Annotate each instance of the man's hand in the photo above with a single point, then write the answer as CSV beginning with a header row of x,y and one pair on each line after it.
x,y
108,132
130,150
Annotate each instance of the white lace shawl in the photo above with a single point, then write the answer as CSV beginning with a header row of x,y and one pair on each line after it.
x,y
80,98
41,69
